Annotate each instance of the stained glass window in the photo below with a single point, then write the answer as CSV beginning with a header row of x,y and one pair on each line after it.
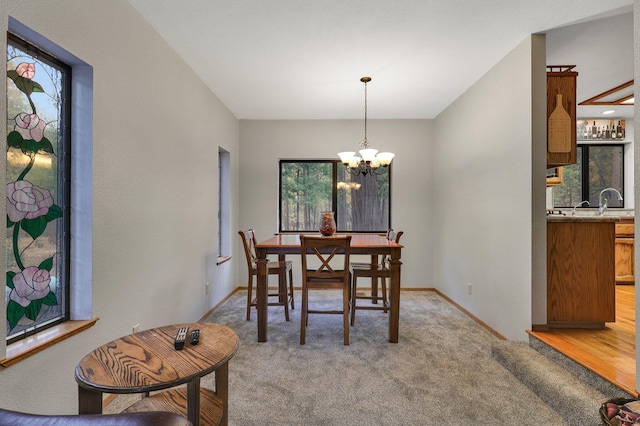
x,y
37,189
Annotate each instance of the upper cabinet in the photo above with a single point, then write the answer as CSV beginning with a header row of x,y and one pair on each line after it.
x,y
561,115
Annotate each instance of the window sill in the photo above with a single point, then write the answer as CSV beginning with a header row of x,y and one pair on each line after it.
x,y
23,349
223,259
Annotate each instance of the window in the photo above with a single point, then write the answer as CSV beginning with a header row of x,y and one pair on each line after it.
x,y
38,189
309,187
597,167
224,209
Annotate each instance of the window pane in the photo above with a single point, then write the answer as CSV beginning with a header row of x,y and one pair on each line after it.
x,y
598,167
308,187
305,192
605,171
36,281
569,193
363,202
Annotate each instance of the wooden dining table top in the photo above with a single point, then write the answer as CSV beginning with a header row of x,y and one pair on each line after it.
x,y
360,243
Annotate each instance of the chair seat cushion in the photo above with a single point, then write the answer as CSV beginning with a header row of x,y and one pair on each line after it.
x,y
151,418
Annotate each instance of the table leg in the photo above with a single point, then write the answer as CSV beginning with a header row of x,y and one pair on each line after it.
x,y
394,302
89,402
222,390
261,293
193,401
282,282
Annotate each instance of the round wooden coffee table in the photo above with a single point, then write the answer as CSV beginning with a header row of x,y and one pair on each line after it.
x,y
147,361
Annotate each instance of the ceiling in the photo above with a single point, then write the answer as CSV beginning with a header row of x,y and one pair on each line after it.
x,y
297,59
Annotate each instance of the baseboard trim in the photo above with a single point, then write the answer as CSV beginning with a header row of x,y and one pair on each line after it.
x,y
470,315
438,292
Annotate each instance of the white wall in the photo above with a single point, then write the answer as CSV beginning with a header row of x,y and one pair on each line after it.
x,y
263,143
156,132
486,202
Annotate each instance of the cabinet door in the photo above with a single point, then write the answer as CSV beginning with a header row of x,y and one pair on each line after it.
x,y
563,83
580,274
624,261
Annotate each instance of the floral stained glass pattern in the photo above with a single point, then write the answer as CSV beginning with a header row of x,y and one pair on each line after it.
x,y
36,294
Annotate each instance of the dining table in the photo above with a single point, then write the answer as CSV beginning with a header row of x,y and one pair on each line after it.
x,y
366,244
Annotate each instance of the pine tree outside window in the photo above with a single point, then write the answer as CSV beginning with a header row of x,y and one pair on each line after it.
x,y
309,187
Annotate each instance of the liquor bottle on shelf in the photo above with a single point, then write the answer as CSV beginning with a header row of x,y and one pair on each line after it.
x,y
607,133
620,131
594,130
614,135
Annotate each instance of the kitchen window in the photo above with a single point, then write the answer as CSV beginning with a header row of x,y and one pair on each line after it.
x,y
308,187
597,167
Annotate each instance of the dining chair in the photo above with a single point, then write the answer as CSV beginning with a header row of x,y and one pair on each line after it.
x,y
332,254
280,268
376,271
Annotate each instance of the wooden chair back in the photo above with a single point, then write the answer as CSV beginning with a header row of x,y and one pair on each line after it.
x,y
326,251
393,236
249,242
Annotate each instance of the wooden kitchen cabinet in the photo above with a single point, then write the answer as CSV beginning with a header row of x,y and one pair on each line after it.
x,y
625,251
562,81
580,271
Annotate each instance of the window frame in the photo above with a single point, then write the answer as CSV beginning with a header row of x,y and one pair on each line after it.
x,y
224,206
584,172
63,189
81,290
336,163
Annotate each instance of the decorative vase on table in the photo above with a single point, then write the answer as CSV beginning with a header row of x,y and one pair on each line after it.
x,y
327,224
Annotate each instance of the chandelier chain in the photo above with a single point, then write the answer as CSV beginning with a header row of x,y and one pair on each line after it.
x,y
365,144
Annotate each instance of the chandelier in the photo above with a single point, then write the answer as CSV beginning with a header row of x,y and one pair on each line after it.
x,y
370,161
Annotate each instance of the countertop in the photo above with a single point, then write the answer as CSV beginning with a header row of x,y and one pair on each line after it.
x,y
583,219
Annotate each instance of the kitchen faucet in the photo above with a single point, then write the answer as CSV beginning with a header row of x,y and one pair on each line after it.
x,y
603,207
578,205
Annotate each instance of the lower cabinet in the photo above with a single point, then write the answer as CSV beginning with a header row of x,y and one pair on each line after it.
x,y
580,272
625,251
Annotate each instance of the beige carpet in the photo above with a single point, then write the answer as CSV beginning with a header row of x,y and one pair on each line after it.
x,y
440,373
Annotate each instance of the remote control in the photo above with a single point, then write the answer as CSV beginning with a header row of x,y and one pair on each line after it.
x,y
195,337
181,337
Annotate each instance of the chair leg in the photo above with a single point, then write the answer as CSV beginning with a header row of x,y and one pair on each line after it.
x,y
374,290
303,315
249,294
353,300
282,289
291,286
345,306
385,301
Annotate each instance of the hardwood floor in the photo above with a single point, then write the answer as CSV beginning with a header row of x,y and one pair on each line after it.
x,y
610,353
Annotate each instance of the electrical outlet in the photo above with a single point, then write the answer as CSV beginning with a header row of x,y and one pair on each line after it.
x,y
469,288
136,328
206,288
